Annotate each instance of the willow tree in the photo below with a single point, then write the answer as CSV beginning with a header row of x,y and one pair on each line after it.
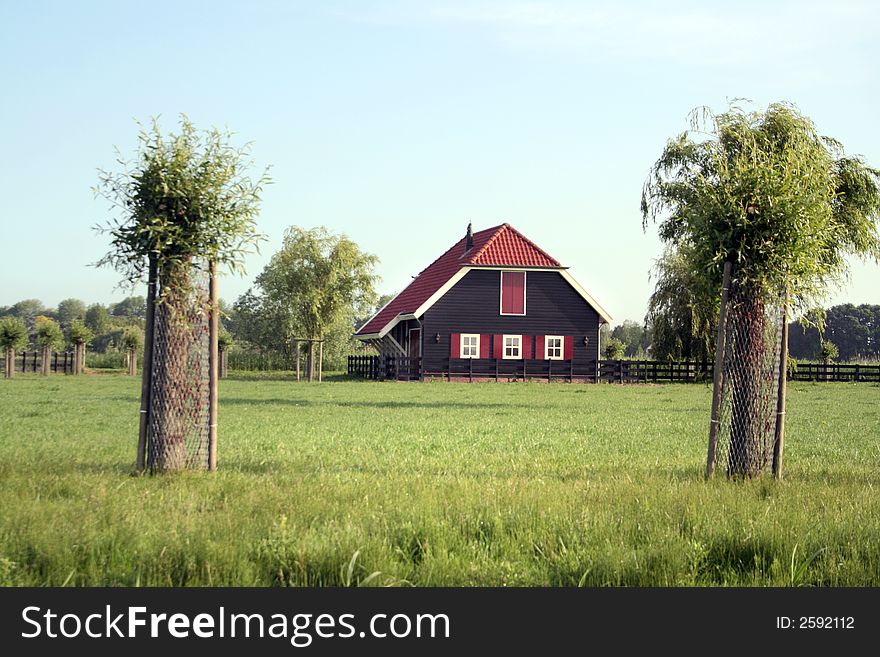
x,y
681,310
13,336
316,281
49,337
766,197
186,205
79,335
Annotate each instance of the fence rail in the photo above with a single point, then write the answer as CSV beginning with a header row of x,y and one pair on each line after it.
x,y
383,368
32,361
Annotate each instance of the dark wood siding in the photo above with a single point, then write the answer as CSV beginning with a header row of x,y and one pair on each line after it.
x,y
553,307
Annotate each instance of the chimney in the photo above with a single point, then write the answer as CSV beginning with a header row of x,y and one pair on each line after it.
x,y
469,239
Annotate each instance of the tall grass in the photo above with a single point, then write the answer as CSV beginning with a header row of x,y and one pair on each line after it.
x,y
348,483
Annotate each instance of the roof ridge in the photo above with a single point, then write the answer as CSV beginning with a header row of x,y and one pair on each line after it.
x,y
498,230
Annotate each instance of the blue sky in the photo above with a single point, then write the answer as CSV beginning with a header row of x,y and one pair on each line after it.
x,y
398,122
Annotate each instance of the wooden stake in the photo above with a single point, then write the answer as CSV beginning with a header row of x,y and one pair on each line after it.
x,y
146,380
717,378
779,438
213,369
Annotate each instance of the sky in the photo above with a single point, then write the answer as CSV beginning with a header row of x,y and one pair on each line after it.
x,y
397,123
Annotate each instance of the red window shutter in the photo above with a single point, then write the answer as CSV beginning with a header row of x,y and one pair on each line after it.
x,y
568,349
539,348
528,344
498,346
484,345
513,286
455,345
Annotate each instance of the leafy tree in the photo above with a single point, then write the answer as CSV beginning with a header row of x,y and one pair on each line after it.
x,y
765,192
13,336
49,337
132,341
854,329
130,307
79,333
27,311
633,336
828,351
186,199
69,310
682,310
97,318
614,349
315,281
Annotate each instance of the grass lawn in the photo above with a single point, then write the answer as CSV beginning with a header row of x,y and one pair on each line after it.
x,y
434,484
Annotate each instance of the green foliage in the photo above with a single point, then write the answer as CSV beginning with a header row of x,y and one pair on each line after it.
x,y
502,489
48,333
79,333
69,310
27,310
186,196
130,307
613,350
225,339
13,333
828,351
317,279
682,310
98,319
765,191
132,339
854,329
634,337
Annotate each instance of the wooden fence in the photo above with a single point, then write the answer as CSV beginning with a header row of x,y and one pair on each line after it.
x,y
383,368
32,361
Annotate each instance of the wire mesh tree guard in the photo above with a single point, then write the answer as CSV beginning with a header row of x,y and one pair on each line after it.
x,y
748,404
178,428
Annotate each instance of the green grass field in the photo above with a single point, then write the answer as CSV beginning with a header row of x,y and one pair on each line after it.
x,y
348,483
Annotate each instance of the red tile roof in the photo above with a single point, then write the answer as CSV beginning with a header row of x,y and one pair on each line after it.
x,y
500,246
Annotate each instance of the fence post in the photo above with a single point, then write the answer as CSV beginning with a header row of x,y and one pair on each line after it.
x,y
146,381
213,368
779,438
717,382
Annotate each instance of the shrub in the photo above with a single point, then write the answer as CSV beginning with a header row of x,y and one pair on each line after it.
x,y
614,349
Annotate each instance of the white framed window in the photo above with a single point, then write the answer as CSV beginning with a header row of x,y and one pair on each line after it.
x,y
553,347
512,346
470,345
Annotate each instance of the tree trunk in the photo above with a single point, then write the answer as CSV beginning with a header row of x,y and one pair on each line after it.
x,y
44,361
320,360
10,363
132,362
172,396
224,363
746,372
310,364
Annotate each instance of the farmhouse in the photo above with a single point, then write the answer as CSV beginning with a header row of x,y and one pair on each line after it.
x,y
495,302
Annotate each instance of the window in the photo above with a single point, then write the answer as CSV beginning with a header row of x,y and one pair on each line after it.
x,y
512,346
513,293
470,345
553,347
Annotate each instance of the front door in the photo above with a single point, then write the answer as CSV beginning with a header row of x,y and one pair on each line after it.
x,y
415,352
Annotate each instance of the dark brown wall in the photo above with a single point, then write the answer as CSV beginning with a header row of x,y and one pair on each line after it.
x,y
473,306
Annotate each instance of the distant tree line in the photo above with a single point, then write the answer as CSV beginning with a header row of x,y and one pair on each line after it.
x,y
62,327
850,333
